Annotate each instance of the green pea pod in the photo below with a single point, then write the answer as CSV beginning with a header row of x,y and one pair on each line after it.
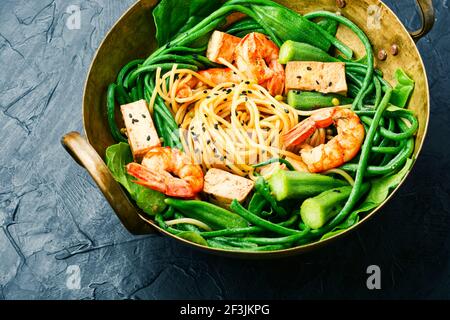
x,y
193,237
214,216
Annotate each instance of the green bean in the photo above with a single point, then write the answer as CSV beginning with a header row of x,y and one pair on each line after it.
x,y
111,105
409,132
185,50
175,58
258,221
160,221
378,137
361,169
378,92
280,160
353,90
248,230
133,94
242,34
257,203
121,95
186,226
388,150
169,213
235,244
126,69
140,88
150,68
364,39
398,161
366,93
355,79
150,85
244,25
270,241
219,245
263,188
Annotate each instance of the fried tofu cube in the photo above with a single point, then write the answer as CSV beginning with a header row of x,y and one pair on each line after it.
x,y
223,187
222,45
141,132
316,76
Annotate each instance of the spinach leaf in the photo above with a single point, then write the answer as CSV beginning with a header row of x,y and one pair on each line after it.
x,y
174,16
380,190
117,157
403,90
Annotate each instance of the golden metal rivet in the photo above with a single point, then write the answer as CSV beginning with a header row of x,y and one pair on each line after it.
x,y
382,55
341,3
394,49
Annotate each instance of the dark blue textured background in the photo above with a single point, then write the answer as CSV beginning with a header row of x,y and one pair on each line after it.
x,y
52,216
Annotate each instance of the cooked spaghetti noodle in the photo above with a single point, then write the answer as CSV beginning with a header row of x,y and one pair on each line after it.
x,y
228,126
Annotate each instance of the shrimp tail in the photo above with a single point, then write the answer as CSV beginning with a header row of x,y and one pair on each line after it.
x,y
160,181
300,133
146,178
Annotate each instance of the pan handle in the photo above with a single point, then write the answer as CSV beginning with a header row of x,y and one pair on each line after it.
x,y
86,156
427,16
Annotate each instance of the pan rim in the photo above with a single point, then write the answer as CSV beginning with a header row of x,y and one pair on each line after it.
x,y
298,249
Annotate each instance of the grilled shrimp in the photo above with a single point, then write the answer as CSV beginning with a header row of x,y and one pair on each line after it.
x,y
157,168
340,149
256,57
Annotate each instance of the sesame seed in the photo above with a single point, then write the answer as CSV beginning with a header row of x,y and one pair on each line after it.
x,y
205,92
144,116
330,84
131,116
226,99
317,81
247,82
299,77
286,110
216,126
309,68
204,129
208,97
149,138
208,142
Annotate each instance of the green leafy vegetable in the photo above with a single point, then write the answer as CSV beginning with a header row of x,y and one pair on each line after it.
x,y
289,25
403,90
117,157
380,190
174,16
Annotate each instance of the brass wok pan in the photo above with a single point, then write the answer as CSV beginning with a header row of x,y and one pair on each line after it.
x,y
133,36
